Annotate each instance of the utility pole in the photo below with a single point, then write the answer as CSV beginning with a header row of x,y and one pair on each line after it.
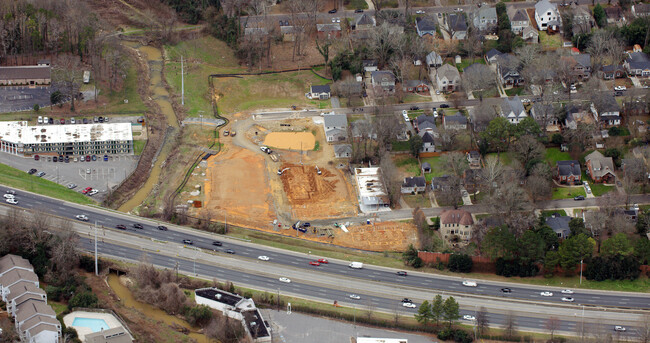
x,y
96,268
581,272
182,83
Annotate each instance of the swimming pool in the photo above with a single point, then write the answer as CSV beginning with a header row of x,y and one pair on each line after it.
x,y
93,324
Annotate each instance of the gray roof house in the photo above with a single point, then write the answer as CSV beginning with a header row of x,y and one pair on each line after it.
x,y
600,168
518,20
114,335
637,64
384,79
426,167
343,151
425,26
364,22
492,55
568,171
513,110
434,60
615,15
508,70
530,34
41,329
559,224
19,290
607,110
30,309
426,123
447,78
428,143
15,276
485,18
457,25
319,92
414,184
547,15
641,10
455,122
10,262
440,183
336,127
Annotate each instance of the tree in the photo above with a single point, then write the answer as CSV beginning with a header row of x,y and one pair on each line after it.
x,y
482,115
548,236
451,194
577,226
482,321
529,152
498,134
642,250
552,324
510,326
391,177
499,242
531,246
68,73
450,311
600,16
461,263
424,314
478,77
539,182
324,50
83,299
437,309
415,144
491,173
575,249
384,41
455,163
619,244
527,54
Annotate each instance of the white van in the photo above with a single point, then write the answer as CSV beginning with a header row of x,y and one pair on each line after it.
x,y
356,265
40,119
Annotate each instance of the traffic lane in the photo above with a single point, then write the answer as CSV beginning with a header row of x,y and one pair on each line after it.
x,y
340,295
368,272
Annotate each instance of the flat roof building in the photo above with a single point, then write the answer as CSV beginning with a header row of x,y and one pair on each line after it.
x,y
26,75
371,190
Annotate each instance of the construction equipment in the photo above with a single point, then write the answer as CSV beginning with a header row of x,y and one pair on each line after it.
x,y
318,171
280,171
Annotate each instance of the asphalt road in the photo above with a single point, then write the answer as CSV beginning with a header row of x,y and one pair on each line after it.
x,y
110,219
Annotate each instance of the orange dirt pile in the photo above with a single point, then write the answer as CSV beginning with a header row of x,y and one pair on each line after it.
x,y
291,140
314,196
236,184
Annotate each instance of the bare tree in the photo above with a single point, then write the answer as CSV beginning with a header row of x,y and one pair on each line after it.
x,y
451,191
456,163
529,151
527,54
387,127
478,77
383,41
643,330
539,187
482,321
401,67
67,72
491,173
448,138
65,256
510,326
552,324
391,177
482,115
508,199
346,89
580,138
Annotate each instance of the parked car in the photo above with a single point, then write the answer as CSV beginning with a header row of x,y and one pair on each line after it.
x,y
138,226
82,217
285,280
86,190
188,241
93,157
162,228
120,226
358,10
414,108
93,192
85,121
40,174
620,88
36,157
73,121
62,121
50,121
263,258
32,171
579,197
444,106
71,186
546,294
233,133
55,159
226,133
419,12
105,158
87,158
332,11
40,120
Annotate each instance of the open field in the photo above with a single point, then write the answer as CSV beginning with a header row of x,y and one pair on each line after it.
x,y
554,154
437,167
19,179
600,189
568,192
291,140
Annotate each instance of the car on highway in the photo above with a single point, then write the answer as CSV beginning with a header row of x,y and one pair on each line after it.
x,y
323,260
263,258
93,192
120,226
467,283
86,190
506,290
162,228
419,12
568,299
188,241
469,317
71,186
40,174
82,217
230,251
12,192
401,273
409,305
355,297
579,197
285,280
217,243
567,291
546,294
138,226
620,328
32,171
9,196
314,263
12,201
407,300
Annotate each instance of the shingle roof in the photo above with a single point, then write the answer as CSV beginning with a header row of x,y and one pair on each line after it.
x,y
380,75
614,12
638,60
559,224
607,103
583,59
21,288
415,83
449,72
320,89
414,181
493,53
31,308
342,149
520,15
25,72
328,27
529,29
16,275
434,58
457,119
457,22
33,332
114,335
10,261
641,8
487,12
426,165
460,217
513,105
600,165
365,19
32,322
545,6
425,24
335,120
427,137
568,168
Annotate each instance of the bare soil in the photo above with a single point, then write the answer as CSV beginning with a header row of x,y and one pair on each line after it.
x,y
291,140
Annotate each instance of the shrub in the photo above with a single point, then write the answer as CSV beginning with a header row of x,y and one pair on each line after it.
x,y
515,267
83,299
460,263
457,335
198,315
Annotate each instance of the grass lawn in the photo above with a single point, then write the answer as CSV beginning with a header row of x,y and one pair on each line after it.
x,y
550,41
554,154
417,200
437,167
19,179
410,97
600,189
138,146
409,164
116,99
515,91
415,114
505,157
467,62
356,4
400,146
550,213
568,193
58,307
489,93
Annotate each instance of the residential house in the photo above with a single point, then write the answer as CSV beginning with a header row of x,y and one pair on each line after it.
x,y
472,180
416,86
600,168
607,110
15,276
425,123
114,335
530,34
615,16
513,109
440,183
474,159
519,20
362,129
547,16
456,224
583,21
641,10
41,329
428,143
492,56
610,72
485,18
508,70
322,92
447,78
20,292
580,63
559,224
434,60
343,151
426,167
425,26
364,21
455,122
336,127
13,262
30,309
384,79
289,33
545,113
414,185
637,64
568,171
369,65
576,114
329,30
457,25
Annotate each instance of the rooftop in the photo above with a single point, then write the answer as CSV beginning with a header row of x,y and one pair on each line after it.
x,y
21,132
10,261
25,72
219,295
255,324
335,120
370,185
460,217
114,335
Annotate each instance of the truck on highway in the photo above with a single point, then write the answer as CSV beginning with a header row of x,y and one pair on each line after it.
x,y
356,265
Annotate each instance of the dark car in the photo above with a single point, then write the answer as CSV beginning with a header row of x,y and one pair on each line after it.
x,y
67,159
407,300
50,121
401,273
62,121
36,157
121,227
61,158
162,228
414,108
332,11
88,158
54,159
105,157
32,171
230,251
94,157
506,290
101,119
85,120
138,226
358,10
444,106
306,224
187,241
579,197
217,243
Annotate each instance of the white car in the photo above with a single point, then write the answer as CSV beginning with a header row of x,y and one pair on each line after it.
x,y
263,258
355,297
72,121
419,12
568,299
469,283
459,9
71,185
619,328
12,201
82,217
409,305
93,192
635,207
405,114
9,196
469,317
620,88
567,291
285,280
546,294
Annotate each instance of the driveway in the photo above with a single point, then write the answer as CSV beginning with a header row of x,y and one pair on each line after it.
x,y
20,98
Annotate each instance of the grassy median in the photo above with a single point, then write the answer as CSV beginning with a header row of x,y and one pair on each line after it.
x,y
19,179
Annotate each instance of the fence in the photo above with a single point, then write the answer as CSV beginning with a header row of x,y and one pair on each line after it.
x,y
479,264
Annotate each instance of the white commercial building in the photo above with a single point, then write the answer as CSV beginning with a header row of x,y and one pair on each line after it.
x,y
18,138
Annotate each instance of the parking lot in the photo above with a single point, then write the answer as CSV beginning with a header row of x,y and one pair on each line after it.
x,y
100,174
22,98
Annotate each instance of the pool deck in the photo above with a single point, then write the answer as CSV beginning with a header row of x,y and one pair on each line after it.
x,y
83,331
